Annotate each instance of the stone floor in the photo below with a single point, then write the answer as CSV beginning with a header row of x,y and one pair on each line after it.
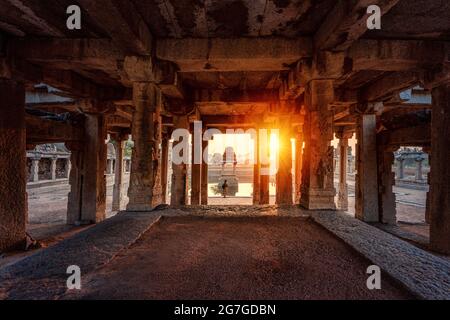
x,y
236,258
47,213
228,252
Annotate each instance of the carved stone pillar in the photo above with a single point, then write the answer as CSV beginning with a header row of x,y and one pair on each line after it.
x,y
284,174
343,163
53,167
386,180
367,177
204,184
298,164
93,204
35,169
67,168
350,161
400,168
164,166
440,170
317,176
256,170
427,150
419,169
196,166
13,163
179,192
75,182
118,174
145,178
264,196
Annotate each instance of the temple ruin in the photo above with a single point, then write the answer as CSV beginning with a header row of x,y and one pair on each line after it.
x,y
140,70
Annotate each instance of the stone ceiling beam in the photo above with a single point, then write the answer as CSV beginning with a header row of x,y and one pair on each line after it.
x,y
122,22
411,136
39,20
233,95
389,85
40,131
346,23
396,55
79,86
239,54
99,54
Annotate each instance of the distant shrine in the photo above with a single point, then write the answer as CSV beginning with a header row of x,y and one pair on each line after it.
x,y
228,172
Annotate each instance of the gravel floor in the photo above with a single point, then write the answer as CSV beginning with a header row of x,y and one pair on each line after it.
x,y
236,258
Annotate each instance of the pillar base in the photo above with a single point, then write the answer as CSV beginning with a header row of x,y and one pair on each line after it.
x,y
318,199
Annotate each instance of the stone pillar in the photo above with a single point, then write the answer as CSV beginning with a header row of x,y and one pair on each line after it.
x,y
400,168
427,150
419,169
350,161
179,192
75,182
366,178
13,163
298,165
343,163
196,170
67,168
256,170
164,166
53,167
145,188
386,180
111,166
204,184
118,175
284,174
264,181
35,169
440,170
93,204
317,173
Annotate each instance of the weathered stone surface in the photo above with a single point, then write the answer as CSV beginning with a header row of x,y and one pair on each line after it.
x,y
204,183
13,203
256,170
318,191
298,166
164,167
386,178
284,174
145,179
93,202
43,275
424,274
75,181
440,170
196,170
367,176
343,164
179,194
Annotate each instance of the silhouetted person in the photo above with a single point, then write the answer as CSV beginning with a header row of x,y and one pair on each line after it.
x,y
225,188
